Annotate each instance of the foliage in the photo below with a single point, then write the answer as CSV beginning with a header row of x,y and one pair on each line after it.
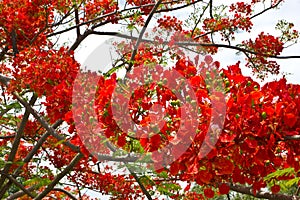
x,y
252,149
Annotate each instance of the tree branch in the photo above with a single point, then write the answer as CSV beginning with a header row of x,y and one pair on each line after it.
x,y
293,137
260,194
120,12
19,185
3,52
65,192
7,136
77,22
16,142
197,44
235,48
145,13
62,19
14,42
265,10
45,124
135,50
39,143
199,19
87,32
144,190
66,170
21,193
211,9
78,41
4,80
119,159
29,156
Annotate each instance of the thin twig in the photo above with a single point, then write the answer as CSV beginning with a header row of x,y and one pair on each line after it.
x,y
265,10
135,50
65,192
199,19
87,32
120,12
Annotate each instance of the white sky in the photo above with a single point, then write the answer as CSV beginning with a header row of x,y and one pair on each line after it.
x,y
288,11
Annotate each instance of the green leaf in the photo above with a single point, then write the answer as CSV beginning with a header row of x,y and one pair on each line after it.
x,y
292,182
281,172
168,188
130,27
136,146
3,163
163,174
59,143
37,181
15,105
146,180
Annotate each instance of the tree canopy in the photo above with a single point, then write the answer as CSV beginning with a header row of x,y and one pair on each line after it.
x,y
163,119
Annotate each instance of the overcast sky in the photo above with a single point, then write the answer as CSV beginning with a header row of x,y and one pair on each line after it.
x,y
266,23
289,11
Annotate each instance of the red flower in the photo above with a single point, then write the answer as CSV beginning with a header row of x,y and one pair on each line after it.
x,y
224,188
209,193
275,189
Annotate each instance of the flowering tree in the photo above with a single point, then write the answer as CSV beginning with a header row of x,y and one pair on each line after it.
x,y
188,130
